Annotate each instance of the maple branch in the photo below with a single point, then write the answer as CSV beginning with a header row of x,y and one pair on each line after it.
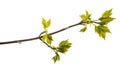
x,y
39,37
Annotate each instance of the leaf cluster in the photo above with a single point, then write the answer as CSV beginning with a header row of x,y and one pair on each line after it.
x,y
62,48
86,17
56,57
47,38
100,24
100,27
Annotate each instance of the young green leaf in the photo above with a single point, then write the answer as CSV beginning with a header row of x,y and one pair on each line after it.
x,y
47,38
102,30
56,57
44,38
64,46
104,21
45,23
107,13
106,17
85,17
87,14
83,29
48,23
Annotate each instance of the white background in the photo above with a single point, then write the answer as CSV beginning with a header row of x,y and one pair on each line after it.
x,y
21,19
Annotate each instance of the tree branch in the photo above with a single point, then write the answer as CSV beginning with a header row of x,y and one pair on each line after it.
x,y
19,41
80,23
39,37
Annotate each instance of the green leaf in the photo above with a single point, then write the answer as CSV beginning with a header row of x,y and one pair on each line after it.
x,y
47,38
83,29
102,30
45,23
85,17
64,46
48,23
43,38
104,21
107,13
87,14
56,57
106,17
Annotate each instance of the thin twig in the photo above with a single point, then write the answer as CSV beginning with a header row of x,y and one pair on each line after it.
x,y
19,41
80,23
45,43
39,37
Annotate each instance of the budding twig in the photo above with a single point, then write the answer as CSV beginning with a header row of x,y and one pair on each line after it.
x,y
39,37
